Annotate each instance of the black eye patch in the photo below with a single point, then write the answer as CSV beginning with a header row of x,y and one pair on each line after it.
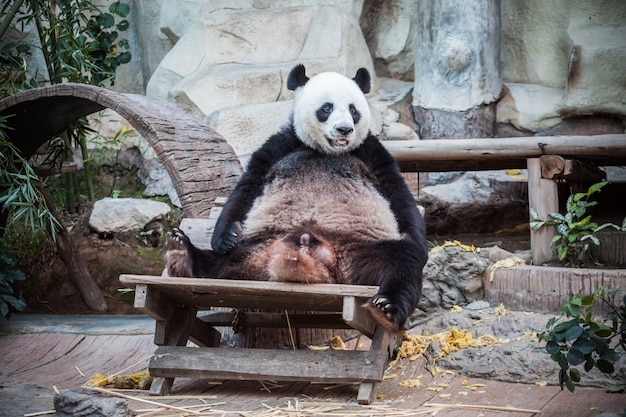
x,y
356,116
324,112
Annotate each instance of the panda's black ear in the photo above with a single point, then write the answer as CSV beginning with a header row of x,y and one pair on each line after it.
x,y
297,77
363,80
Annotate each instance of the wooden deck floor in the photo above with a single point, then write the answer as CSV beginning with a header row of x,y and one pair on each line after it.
x,y
33,360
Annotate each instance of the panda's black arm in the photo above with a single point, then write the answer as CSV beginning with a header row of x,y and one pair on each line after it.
x,y
249,187
392,186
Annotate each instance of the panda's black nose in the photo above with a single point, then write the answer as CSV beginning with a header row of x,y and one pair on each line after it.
x,y
345,131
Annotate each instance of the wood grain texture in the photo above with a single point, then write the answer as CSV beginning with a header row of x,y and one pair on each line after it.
x,y
503,153
327,366
201,164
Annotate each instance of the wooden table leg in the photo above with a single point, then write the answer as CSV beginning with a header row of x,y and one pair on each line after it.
x,y
367,390
174,323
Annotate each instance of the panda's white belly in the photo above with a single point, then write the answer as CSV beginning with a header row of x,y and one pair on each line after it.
x,y
334,193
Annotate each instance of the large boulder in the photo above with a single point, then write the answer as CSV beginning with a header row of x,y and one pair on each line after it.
x,y
235,58
118,215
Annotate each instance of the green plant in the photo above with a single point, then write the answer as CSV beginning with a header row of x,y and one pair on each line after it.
x,y
8,275
20,187
575,229
80,43
585,340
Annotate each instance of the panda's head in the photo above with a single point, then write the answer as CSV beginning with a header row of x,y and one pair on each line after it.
x,y
330,112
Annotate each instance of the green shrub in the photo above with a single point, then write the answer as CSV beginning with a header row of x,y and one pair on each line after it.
x,y
583,339
575,229
8,275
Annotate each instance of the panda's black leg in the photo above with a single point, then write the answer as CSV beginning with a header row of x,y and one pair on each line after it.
x,y
396,267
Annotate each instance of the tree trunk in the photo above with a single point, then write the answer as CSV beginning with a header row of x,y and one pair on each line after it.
x,y
457,69
76,265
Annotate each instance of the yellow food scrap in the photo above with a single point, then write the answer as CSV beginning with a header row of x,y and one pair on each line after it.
x,y
465,383
541,383
501,311
445,395
505,263
447,243
462,393
380,396
443,385
414,346
337,344
411,383
516,174
388,377
97,380
532,336
436,389
141,380
456,309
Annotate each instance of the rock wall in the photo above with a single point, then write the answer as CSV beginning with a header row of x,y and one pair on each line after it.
x,y
560,67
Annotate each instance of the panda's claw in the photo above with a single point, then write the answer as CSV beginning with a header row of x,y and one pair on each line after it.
x,y
177,240
384,312
229,239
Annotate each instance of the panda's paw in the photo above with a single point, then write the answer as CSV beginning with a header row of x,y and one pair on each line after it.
x,y
229,239
176,254
384,312
176,240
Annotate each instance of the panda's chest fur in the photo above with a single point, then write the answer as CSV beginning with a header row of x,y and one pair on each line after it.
x,y
332,193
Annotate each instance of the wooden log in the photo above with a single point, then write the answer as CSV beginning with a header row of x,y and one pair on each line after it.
x,y
74,261
556,167
543,197
504,153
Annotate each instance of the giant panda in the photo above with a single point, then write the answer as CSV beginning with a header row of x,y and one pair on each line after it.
x,y
322,201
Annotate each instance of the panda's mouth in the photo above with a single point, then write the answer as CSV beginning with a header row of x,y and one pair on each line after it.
x,y
338,143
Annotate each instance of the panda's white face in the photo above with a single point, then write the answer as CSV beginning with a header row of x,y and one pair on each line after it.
x,y
331,114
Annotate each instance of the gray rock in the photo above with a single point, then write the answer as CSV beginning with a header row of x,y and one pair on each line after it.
x,y
477,305
116,215
80,403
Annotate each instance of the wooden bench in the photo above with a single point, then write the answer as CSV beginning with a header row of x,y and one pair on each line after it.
x,y
192,310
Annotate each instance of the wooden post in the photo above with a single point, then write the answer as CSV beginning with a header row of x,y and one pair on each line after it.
x,y
457,68
543,197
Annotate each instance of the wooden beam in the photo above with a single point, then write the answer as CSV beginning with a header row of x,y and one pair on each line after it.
x,y
328,366
543,197
276,320
358,317
503,153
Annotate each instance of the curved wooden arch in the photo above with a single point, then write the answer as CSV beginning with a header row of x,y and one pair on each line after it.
x,y
200,162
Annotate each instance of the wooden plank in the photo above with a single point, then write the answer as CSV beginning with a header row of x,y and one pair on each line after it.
x,y
206,293
355,315
502,153
380,345
203,334
339,366
199,231
276,320
543,197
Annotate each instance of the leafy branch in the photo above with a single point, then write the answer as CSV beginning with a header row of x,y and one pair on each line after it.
x,y
575,229
21,187
584,340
